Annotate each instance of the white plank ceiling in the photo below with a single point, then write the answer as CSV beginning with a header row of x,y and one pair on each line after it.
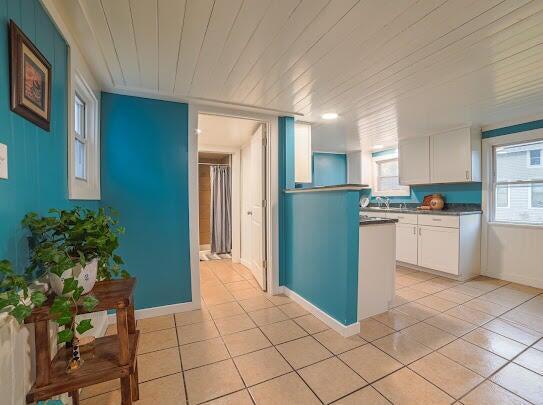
x,y
389,68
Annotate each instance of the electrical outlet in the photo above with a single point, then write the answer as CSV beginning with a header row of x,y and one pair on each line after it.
x,y
3,161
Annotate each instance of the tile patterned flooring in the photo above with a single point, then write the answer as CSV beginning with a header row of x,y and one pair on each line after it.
x,y
478,342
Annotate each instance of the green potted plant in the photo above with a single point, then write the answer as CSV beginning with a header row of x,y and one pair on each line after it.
x,y
74,248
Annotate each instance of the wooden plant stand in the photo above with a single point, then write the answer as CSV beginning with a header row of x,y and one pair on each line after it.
x,y
114,356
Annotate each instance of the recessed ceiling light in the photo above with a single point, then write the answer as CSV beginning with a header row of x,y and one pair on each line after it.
x,y
378,147
329,116
198,131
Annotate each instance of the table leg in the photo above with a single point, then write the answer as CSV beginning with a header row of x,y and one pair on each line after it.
x,y
135,384
126,391
75,397
43,352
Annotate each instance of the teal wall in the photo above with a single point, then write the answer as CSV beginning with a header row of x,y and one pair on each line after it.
x,y
321,238
285,181
145,177
38,177
467,193
329,169
513,129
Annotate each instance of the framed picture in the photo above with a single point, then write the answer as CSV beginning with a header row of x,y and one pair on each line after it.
x,y
30,82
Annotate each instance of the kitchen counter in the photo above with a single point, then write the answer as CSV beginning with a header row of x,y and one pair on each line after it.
x,y
447,211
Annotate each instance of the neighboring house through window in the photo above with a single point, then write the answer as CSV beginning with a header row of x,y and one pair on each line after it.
x,y
517,186
386,180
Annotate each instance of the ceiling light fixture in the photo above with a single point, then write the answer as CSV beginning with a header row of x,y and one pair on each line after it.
x,y
198,131
329,116
378,147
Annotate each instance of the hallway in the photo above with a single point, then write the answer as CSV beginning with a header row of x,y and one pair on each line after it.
x,y
444,340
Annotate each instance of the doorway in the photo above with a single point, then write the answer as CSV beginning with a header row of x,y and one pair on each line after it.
x,y
238,148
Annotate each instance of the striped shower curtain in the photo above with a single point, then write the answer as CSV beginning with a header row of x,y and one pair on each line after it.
x,y
221,210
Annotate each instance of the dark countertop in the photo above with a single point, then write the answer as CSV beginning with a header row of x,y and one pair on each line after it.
x,y
338,187
365,220
452,210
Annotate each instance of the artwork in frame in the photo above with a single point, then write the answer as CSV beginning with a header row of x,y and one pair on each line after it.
x,y
30,79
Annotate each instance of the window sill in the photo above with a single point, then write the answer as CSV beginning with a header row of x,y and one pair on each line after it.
x,y
391,194
515,225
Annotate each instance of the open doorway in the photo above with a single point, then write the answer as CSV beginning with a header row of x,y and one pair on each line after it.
x,y
232,200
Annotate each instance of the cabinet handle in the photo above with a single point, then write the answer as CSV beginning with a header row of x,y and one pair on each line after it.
x,y
436,219
467,174
420,231
414,230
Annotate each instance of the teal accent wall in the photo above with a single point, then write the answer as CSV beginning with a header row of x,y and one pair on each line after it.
x,y
513,129
467,193
329,169
321,240
145,177
285,181
38,168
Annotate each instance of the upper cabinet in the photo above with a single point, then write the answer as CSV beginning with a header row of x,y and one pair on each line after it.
x,y
414,161
449,157
302,153
456,156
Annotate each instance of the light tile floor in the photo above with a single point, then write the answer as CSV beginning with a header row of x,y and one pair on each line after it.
x,y
478,342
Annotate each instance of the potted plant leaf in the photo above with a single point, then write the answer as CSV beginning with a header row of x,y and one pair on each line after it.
x,y
74,248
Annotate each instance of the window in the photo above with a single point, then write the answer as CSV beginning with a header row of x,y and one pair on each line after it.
x,y
386,176
534,158
80,156
518,189
536,196
502,197
84,158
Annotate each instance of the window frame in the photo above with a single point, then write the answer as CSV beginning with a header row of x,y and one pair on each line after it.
x,y
493,179
404,191
87,188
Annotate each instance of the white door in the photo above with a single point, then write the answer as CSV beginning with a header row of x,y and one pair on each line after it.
x,y
451,157
246,205
414,161
258,223
406,243
439,248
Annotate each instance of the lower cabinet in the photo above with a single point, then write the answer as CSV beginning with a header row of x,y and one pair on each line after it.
x,y
406,243
438,248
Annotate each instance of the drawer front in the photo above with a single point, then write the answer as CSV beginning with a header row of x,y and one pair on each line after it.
x,y
440,220
403,218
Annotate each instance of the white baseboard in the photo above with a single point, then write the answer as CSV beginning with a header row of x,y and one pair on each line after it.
x,y
515,278
244,262
160,311
344,330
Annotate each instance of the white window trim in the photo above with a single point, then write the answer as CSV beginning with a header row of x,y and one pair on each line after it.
x,y
488,203
405,191
89,188
508,198
529,160
530,198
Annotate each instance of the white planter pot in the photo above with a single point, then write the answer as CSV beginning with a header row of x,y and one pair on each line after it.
x,y
86,277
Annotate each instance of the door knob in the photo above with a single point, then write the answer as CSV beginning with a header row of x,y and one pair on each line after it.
x,y
249,212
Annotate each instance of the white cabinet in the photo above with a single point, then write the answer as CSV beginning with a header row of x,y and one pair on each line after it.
x,y
438,248
406,243
414,161
302,153
449,157
455,156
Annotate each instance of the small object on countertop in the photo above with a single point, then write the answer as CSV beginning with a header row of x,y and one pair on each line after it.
x,y
424,208
437,203
364,202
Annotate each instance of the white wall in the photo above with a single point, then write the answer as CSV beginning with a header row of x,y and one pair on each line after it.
x,y
354,167
510,252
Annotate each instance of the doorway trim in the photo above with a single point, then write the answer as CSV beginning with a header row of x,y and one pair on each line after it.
x,y
272,239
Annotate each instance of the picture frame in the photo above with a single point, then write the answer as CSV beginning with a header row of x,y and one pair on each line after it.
x,y
30,79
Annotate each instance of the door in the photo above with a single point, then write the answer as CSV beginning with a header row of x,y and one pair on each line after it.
x,y
451,156
258,211
414,161
439,248
406,243
246,205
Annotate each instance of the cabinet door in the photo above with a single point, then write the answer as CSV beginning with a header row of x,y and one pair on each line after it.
x,y
451,157
414,161
438,248
406,243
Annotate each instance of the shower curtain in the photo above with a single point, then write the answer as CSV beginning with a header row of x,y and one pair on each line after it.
x,y
221,210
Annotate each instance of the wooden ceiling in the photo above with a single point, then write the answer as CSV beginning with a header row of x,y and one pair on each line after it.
x,y
389,68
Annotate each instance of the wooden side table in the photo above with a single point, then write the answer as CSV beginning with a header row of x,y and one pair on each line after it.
x,y
114,356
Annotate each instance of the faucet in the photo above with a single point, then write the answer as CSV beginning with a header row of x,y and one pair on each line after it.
x,y
386,201
403,206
